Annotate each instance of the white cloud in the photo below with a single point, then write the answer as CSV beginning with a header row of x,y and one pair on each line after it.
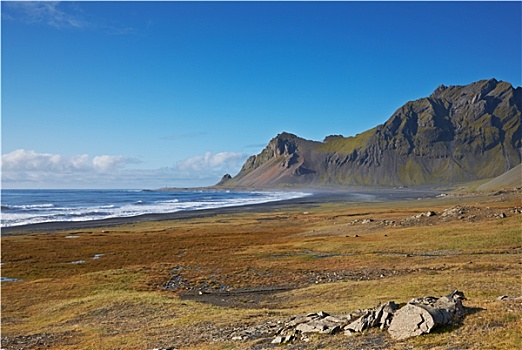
x,y
80,162
30,169
59,15
46,169
109,163
22,160
209,161
54,14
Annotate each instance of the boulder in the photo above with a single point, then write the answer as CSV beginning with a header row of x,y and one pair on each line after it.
x,y
420,316
412,320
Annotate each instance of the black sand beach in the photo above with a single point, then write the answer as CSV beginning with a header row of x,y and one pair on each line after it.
x,y
319,196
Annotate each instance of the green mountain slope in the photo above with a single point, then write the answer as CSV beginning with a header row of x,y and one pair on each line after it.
x,y
510,179
458,133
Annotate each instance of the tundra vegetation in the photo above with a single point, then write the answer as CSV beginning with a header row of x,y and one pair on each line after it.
x,y
203,282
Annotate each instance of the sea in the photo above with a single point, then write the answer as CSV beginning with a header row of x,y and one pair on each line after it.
x,y
25,207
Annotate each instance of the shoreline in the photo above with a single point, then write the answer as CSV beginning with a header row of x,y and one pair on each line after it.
x,y
317,197
256,269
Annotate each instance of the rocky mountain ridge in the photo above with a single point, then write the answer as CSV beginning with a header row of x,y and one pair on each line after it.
x,y
458,133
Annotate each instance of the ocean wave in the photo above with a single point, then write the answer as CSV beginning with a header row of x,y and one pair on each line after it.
x,y
156,204
170,201
28,206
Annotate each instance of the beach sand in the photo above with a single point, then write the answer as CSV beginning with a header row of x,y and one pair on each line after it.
x,y
318,196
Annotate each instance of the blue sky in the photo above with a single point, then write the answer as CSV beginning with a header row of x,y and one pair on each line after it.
x,y
149,94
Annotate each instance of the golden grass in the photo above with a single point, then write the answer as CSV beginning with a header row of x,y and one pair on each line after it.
x,y
117,301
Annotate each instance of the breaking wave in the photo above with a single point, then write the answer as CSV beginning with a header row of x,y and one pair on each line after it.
x,y
58,206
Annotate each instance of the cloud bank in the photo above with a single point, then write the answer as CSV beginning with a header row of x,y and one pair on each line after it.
x,y
24,161
30,169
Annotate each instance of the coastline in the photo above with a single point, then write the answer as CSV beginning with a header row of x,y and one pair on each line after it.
x,y
261,267
316,197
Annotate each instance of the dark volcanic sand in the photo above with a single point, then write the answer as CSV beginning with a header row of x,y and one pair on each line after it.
x,y
319,196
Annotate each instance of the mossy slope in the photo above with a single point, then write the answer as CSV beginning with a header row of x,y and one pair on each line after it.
x,y
457,134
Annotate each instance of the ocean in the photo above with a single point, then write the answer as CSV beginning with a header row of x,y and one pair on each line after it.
x,y
24,207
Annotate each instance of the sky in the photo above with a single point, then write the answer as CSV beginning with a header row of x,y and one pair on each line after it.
x,y
153,94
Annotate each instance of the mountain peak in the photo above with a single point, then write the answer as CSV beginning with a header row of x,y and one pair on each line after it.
x,y
481,86
285,135
458,133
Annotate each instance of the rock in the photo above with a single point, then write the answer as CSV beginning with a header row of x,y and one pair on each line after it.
x,y
454,211
507,298
226,178
349,332
78,262
283,339
451,303
319,326
422,315
385,314
360,324
418,317
298,320
334,319
323,314
381,317
320,322
411,320
424,300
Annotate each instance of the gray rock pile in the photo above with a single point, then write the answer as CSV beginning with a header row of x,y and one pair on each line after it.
x,y
381,317
299,327
418,316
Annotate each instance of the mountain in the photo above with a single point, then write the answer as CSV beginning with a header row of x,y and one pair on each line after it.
x,y
510,179
458,133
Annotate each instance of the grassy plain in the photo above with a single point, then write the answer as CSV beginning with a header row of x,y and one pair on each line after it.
x,y
144,291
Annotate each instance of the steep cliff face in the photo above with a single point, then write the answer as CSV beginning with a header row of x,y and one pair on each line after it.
x,y
458,133
285,160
